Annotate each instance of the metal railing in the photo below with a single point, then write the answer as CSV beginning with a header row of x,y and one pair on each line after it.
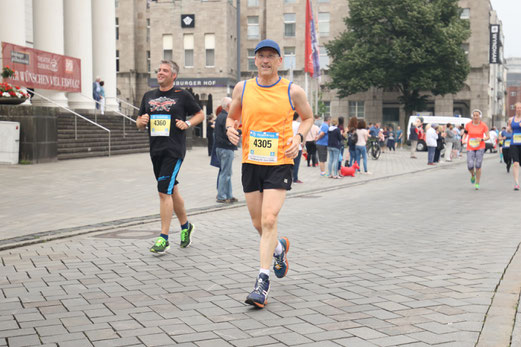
x,y
117,112
126,103
75,119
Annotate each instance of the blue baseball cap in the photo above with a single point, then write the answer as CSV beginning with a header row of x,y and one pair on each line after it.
x,y
268,44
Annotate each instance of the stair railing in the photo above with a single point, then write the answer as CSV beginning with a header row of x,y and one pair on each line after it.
x,y
75,118
115,111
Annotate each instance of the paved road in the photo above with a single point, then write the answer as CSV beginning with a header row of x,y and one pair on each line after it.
x,y
74,193
410,260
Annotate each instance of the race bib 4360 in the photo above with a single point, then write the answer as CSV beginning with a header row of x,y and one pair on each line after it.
x,y
160,125
263,146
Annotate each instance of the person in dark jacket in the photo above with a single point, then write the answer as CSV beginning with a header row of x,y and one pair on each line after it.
x,y
334,142
224,149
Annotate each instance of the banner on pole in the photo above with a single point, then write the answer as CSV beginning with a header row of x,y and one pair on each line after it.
x,y
312,61
43,70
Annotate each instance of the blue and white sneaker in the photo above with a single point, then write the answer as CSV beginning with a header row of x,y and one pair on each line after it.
x,y
259,296
280,265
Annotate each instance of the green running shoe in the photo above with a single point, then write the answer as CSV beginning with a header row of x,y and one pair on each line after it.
x,y
186,236
477,186
160,246
473,179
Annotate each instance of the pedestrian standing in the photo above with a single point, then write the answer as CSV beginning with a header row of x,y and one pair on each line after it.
x,y
96,91
164,112
431,138
414,133
391,139
399,137
361,151
352,139
102,102
266,104
449,141
334,142
311,146
322,145
224,150
439,143
476,133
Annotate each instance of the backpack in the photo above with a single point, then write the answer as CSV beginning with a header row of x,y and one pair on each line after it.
x,y
352,139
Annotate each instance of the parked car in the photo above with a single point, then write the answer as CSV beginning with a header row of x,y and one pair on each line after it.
x,y
422,146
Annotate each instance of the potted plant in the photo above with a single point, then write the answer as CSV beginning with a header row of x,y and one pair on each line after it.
x,y
10,94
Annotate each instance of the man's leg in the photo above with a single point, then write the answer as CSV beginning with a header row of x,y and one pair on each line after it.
x,y
224,174
166,208
414,143
272,202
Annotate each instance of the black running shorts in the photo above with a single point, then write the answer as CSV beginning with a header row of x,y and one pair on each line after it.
x,y
515,153
166,170
260,177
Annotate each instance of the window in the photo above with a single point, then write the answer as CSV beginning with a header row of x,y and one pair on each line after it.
x,y
148,29
117,28
323,24
290,1
167,47
253,3
189,50
117,60
289,58
465,13
356,109
327,107
209,45
148,61
465,47
251,59
322,1
512,107
323,57
513,94
253,27
290,24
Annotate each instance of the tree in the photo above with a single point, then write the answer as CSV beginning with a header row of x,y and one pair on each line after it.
x,y
413,46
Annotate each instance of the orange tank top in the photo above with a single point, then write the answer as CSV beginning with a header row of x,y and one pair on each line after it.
x,y
267,116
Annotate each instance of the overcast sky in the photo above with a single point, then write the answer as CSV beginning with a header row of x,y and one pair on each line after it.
x,y
509,12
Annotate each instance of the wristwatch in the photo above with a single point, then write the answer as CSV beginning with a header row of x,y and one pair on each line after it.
x,y
301,137
188,123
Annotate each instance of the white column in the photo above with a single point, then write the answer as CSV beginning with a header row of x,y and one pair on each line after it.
x,y
78,44
12,17
104,48
48,36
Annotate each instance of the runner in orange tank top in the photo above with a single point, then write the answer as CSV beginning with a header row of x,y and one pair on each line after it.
x,y
266,105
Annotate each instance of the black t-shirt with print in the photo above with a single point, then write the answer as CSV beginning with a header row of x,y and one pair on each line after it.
x,y
163,109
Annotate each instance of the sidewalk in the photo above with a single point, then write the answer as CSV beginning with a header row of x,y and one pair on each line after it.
x,y
89,194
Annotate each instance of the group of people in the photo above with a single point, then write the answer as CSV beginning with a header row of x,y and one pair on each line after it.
x,y
264,107
263,114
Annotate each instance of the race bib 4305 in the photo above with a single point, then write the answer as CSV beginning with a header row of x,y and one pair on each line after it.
x,y
263,146
160,125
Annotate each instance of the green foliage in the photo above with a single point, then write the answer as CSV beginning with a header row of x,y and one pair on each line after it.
x,y
412,46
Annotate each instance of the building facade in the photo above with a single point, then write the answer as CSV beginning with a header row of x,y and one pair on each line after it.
x,y
82,29
513,85
201,36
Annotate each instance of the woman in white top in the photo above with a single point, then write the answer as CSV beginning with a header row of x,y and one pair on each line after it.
x,y
361,150
431,138
311,146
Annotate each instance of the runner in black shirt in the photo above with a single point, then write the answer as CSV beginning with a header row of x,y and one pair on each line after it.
x,y
164,111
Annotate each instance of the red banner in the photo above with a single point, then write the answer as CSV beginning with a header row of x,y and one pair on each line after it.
x,y
308,51
39,69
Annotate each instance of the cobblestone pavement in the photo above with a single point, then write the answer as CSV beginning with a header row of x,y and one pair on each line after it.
x,y
75,193
410,260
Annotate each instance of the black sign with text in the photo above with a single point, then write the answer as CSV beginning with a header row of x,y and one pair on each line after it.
x,y
495,43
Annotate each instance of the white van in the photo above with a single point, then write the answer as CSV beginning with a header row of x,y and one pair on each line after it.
x,y
440,120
